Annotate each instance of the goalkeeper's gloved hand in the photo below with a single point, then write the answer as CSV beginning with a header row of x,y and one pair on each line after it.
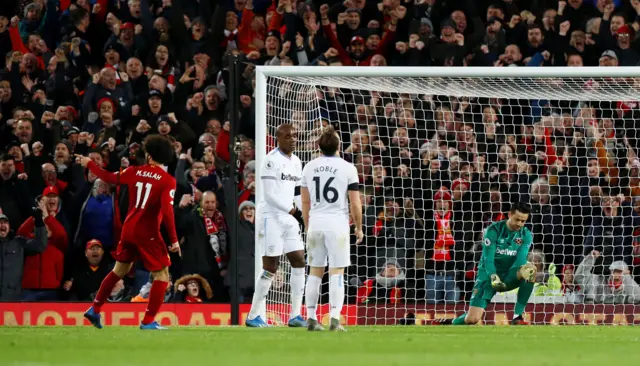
x,y
497,283
528,272
297,214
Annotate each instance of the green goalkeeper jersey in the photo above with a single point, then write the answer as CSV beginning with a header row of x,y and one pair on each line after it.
x,y
503,249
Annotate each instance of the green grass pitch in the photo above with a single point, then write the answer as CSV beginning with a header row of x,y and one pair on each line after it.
x,y
387,346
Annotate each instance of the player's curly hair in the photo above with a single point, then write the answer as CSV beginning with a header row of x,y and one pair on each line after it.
x,y
159,148
329,141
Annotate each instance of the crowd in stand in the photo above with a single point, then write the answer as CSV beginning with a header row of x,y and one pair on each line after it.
x,y
95,77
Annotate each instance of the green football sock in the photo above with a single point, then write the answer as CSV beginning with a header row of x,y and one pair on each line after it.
x,y
524,292
459,320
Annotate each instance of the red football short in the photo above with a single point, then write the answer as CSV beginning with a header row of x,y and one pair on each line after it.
x,y
154,257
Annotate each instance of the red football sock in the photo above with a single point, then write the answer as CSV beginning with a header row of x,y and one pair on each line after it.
x,y
107,285
156,298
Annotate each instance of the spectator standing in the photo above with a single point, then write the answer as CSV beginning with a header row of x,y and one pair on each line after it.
x,y
96,216
611,233
13,249
204,250
13,185
444,250
616,288
43,272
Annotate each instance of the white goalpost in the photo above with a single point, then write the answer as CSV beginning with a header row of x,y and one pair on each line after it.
x,y
442,153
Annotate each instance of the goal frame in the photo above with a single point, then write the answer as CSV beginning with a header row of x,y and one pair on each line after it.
x,y
263,72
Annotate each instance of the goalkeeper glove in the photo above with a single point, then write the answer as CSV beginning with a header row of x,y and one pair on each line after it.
x,y
497,283
528,272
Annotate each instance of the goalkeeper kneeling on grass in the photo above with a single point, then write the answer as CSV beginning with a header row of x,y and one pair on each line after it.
x,y
503,267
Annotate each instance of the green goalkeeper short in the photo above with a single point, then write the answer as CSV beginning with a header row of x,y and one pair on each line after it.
x,y
483,292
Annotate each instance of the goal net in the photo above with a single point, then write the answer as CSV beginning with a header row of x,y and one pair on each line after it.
x,y
442,153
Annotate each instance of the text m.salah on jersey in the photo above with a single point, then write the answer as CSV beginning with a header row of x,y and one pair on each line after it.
x,y
150,175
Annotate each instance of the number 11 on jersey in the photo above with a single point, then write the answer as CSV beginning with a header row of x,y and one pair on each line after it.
x,y
147,191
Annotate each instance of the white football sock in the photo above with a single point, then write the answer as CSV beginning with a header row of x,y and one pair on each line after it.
x,y
311,296
297,290
263,286
336,295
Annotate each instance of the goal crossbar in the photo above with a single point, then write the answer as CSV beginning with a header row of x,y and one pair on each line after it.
x,y
451,72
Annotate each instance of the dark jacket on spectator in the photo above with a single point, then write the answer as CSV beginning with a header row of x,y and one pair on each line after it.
x,y
12,254
246,254
121,95
17,210
87,279
198,255
612,236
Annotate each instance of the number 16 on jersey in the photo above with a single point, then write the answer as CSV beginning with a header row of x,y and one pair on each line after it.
x,y
329,193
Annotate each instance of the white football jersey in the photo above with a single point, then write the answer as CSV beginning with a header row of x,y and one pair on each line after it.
x,y
328,179
286,172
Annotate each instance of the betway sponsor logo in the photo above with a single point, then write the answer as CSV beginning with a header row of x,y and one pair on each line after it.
x,y
289,177
508,252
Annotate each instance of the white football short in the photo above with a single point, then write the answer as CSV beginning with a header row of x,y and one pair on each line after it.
x,y
328,239
279,235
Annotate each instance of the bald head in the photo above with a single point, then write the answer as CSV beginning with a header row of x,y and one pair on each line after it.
x,y
283,129
108,78
209,204
287,138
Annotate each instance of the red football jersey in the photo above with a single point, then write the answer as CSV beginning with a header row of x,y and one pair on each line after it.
x,y
151,192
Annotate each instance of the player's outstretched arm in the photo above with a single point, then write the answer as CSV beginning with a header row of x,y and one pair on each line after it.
x,y
105,176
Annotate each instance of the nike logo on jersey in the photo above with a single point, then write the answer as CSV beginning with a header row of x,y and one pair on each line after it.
x,y
289,177
508,252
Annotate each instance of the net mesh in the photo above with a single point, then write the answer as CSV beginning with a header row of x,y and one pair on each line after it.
x,y
440,159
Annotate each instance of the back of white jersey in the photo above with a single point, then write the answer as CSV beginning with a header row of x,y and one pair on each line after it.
x,y
328,179
286,172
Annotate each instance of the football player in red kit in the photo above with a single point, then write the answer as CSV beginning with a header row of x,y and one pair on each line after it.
x,y
151,191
